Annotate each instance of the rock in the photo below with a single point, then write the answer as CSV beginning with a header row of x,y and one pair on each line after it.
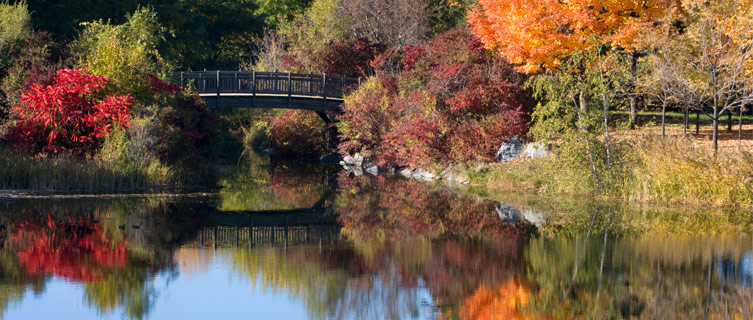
x,y
536,150
510,150
422,174
513,215
371,168
332,158
507,212
357,160
355,170
347,161
535,218
405,172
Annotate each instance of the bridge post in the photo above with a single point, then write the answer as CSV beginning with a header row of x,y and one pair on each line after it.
x,y
253,88
181,80
290,89
324,91
217,105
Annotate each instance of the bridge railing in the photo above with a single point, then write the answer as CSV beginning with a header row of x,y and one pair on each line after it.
x,y
252,82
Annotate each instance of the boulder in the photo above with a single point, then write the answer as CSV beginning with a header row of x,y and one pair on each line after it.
x,y
536,150
371,168
513,215
510,150
422,174
357,160
347,161
535,218
507,212
405,172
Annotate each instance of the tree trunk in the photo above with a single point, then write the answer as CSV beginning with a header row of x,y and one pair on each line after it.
x,y
633,62
583,101
697,122
663,117
715,129
729,120
740,130
685,118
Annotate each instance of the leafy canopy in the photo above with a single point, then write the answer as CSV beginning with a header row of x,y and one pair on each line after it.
x,y
538,34
71,115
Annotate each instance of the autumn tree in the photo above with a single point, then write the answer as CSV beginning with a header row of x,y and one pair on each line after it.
x,y
395,23
711,60
15,23
538,35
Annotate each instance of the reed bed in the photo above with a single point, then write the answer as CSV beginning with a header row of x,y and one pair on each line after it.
x,y
69,175
673,170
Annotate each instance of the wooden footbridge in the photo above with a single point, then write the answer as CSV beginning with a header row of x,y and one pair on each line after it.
x,y
251,89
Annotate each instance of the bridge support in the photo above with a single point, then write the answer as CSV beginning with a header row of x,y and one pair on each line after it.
x,y
334,136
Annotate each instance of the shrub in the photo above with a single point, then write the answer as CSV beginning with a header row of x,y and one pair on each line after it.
x,y
125,53
451,101
68,116
298,132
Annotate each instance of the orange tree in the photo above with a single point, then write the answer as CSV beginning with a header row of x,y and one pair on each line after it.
x,y
540,34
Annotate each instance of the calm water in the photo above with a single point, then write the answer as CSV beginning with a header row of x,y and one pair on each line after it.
x,y
291,241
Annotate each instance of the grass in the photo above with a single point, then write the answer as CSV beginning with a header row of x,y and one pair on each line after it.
x,y
677,170
677,117
68,175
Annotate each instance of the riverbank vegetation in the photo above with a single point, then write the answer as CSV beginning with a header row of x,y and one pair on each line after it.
x,y
95,114
686,54
442,85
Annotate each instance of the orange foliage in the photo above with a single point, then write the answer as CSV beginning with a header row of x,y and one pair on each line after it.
x,y
505,303
539,33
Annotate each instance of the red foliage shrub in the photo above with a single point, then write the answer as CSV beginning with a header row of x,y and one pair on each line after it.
x,y
452,101
68,115
351,59
298,132
160,86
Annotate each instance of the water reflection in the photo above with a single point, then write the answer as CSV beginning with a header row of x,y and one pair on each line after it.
x,y
373,248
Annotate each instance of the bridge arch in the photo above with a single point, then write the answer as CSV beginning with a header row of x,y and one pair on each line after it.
x,y
251,89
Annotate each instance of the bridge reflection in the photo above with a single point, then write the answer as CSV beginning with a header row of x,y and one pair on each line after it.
x,y
246,229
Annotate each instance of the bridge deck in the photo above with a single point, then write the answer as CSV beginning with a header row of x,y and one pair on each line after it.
x,y
250,89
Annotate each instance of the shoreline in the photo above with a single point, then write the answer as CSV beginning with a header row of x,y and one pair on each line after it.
x,y
10,195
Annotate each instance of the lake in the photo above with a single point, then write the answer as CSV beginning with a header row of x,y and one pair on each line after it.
x,y
286,240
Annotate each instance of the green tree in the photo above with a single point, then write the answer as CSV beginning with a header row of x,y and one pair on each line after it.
x,y
125,53
582,123
281,11
15,23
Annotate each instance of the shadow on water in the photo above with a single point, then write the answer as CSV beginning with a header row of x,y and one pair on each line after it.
x,y
337,246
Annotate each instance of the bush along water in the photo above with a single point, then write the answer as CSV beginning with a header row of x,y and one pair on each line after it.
x,y
110,124
449,101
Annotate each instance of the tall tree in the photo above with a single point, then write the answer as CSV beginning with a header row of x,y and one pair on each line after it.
x,y
396,23
539,34
715,57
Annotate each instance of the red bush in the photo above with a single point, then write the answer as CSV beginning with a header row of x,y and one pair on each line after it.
x,y
68,115
160,86
451,101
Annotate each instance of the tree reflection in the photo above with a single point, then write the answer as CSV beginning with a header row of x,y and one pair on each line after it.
x,y
88,242
268,184
393,209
